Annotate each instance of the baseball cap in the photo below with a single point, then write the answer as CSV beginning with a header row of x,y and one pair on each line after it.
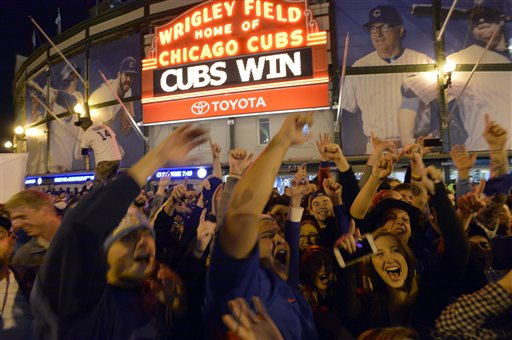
x,y
128,65
82,120
132,221
481,14
66,71
384,14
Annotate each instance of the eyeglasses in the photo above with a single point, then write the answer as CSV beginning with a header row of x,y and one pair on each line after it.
x,y
382,28
309,237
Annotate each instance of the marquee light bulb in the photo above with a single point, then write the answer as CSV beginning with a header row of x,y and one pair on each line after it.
x,y
8,144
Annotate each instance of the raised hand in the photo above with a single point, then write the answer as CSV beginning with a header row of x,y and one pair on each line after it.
x,y
323,140
333,190
176,147
291,131
239,160
383,167
430,177
216,150
299,186
472,202
163,182
204,232
495,135
178,193
247,325
380,147
462,160
333,152
348,241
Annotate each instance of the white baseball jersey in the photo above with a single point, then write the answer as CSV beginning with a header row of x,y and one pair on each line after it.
x,y
63,139
103,94
487,92
103,142
378,96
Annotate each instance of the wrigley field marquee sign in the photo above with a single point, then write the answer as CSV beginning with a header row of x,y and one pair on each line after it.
x,y
238,57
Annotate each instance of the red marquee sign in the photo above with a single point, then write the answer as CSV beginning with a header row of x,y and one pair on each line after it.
x,y
225,58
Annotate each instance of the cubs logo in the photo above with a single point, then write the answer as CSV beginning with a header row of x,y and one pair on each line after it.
x,y
376,13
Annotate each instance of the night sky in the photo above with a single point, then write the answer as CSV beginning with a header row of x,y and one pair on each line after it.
x,y
17,39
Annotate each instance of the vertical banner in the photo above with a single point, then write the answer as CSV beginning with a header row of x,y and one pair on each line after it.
x,y
12,174
36,137
401,104
66,100
120,62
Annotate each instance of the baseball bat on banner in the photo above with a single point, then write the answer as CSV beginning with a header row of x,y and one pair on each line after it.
x,y
57,49
125,109
342,80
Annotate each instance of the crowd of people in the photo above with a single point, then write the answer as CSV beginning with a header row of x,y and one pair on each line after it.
x,y
236,259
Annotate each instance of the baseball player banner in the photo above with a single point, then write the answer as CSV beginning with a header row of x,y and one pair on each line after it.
x,y
120,62
66,101
402,106
37,138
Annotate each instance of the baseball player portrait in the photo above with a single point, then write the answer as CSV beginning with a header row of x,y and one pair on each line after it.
x,y
487,91
63,135
122,84
377,97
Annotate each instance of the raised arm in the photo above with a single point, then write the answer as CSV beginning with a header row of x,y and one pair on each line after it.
x,y
323,169
379,147
73,275
239,160
159,195
497,138
380,171
467,317
463,162
217,169
240,231
456,253
298,188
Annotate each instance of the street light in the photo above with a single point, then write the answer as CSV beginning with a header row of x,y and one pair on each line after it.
x,y
79,109
19,130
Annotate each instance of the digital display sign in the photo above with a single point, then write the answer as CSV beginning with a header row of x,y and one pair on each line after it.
x,y
225,58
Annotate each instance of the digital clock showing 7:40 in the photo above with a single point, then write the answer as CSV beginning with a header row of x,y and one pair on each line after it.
x,y
182,173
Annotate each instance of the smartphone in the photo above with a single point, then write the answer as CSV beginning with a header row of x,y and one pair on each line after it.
x,y
432,142
365,249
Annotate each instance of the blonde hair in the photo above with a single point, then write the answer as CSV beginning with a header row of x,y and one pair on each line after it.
x,y
30,198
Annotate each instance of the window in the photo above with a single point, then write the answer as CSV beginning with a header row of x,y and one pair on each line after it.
x,y
263,131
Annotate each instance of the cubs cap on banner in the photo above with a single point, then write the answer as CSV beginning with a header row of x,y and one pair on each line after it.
x,y
66,71
481,14
66,74
128,65
384,14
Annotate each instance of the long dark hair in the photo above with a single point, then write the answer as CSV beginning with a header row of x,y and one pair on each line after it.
x,y
377,297
312,260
